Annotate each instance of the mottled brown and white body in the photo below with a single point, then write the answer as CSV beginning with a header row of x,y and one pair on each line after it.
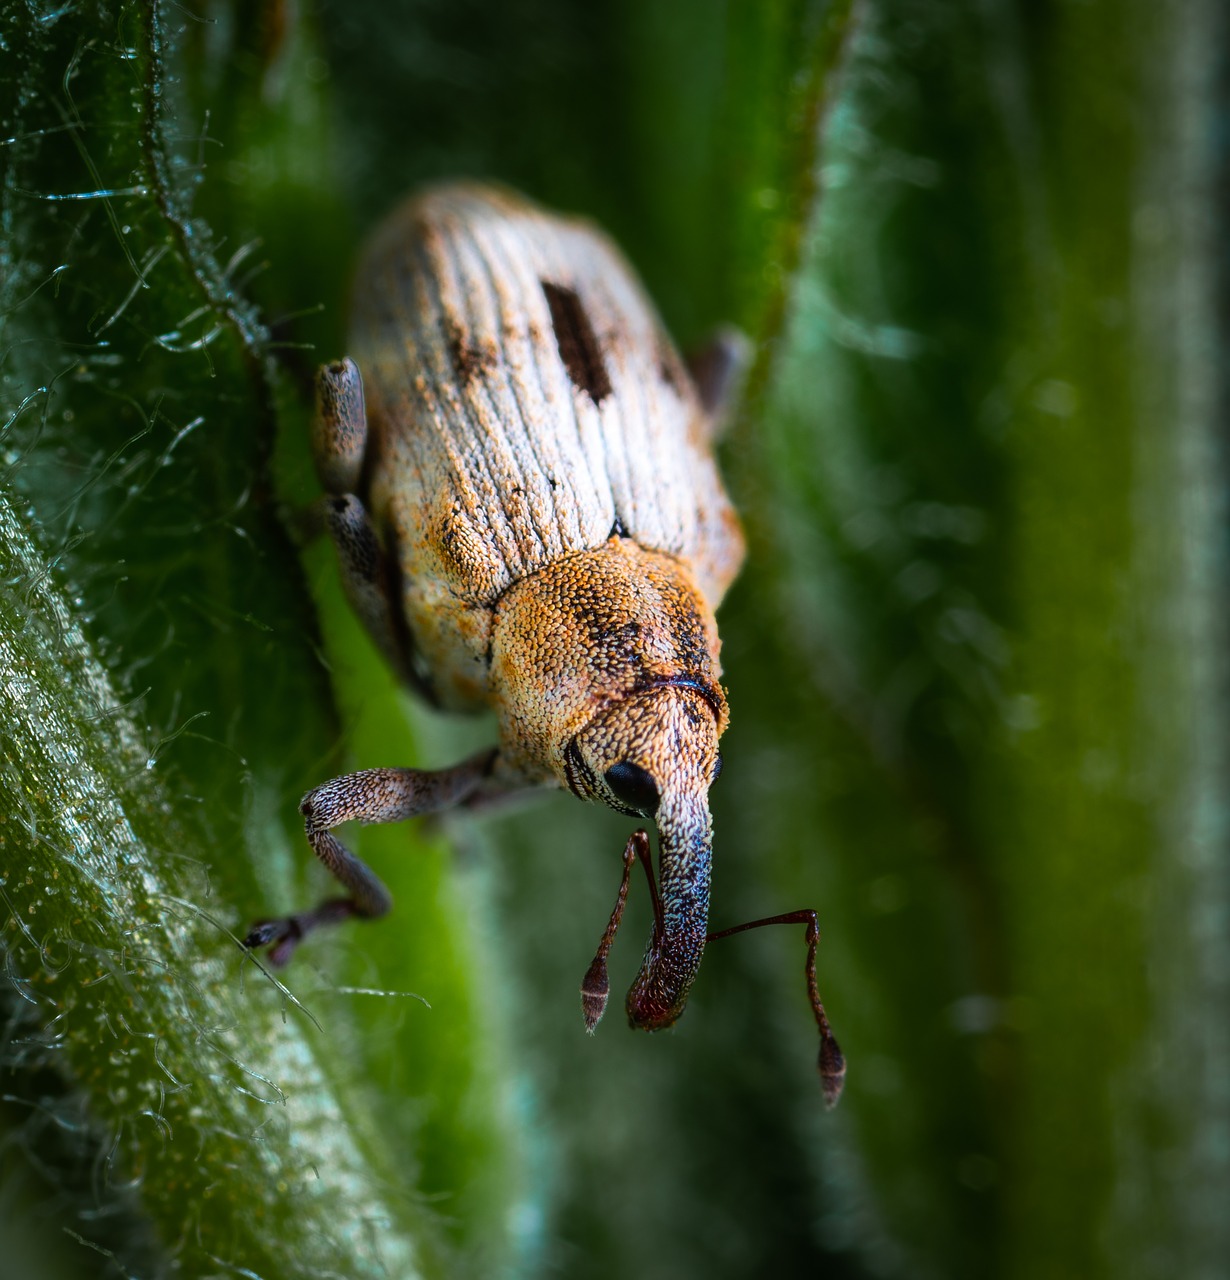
x,y
529,517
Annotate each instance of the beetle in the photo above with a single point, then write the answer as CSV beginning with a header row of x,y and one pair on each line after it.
x,y
527,514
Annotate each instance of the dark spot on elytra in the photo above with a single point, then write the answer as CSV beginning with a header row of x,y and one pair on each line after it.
x,y
469,359
578,345
422,229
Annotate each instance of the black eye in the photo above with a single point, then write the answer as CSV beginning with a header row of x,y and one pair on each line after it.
x,y
717,769
634,786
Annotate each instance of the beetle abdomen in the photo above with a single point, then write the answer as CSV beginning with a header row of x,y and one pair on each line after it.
x,y
525,396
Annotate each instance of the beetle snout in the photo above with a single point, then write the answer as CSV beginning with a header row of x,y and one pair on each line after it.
x,y
660,990
655,755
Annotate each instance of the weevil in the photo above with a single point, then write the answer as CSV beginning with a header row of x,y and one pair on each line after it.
x,y
528,517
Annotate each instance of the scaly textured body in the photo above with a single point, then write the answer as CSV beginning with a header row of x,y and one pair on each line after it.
x,y
528,516
506,354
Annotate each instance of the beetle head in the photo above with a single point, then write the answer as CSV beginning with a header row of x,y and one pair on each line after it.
x,y
655,754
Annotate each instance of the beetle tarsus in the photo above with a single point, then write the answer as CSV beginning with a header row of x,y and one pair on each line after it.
x,y
262,933
371,795
284,935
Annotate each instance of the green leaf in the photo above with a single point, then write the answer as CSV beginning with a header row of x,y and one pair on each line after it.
x,y
171,709
986,488
976,661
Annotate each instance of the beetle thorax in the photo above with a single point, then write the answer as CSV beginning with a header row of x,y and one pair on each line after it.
x,y
587,632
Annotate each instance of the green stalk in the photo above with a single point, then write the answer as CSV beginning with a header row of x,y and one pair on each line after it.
x,y
214,1117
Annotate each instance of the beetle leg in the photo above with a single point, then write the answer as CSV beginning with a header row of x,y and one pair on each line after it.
x,y
832,1062
339,439
718,369
368,580
501,797
371,795
340,446
596,985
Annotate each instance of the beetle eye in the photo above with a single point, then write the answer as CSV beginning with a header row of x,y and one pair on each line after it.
x,y
634,786
717,769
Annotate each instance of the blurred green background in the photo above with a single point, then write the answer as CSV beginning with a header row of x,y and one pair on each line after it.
x,y
978,661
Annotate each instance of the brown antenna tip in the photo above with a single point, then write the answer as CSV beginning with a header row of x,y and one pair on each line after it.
x,y
832,1066
595,988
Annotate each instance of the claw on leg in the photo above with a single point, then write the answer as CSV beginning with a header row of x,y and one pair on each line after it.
x,y
371,795
284,935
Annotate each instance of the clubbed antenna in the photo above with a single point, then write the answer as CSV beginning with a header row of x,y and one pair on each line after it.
x,y
831,1062
596,985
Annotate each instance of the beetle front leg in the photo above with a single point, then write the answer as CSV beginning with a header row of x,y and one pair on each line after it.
x,y
371,795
